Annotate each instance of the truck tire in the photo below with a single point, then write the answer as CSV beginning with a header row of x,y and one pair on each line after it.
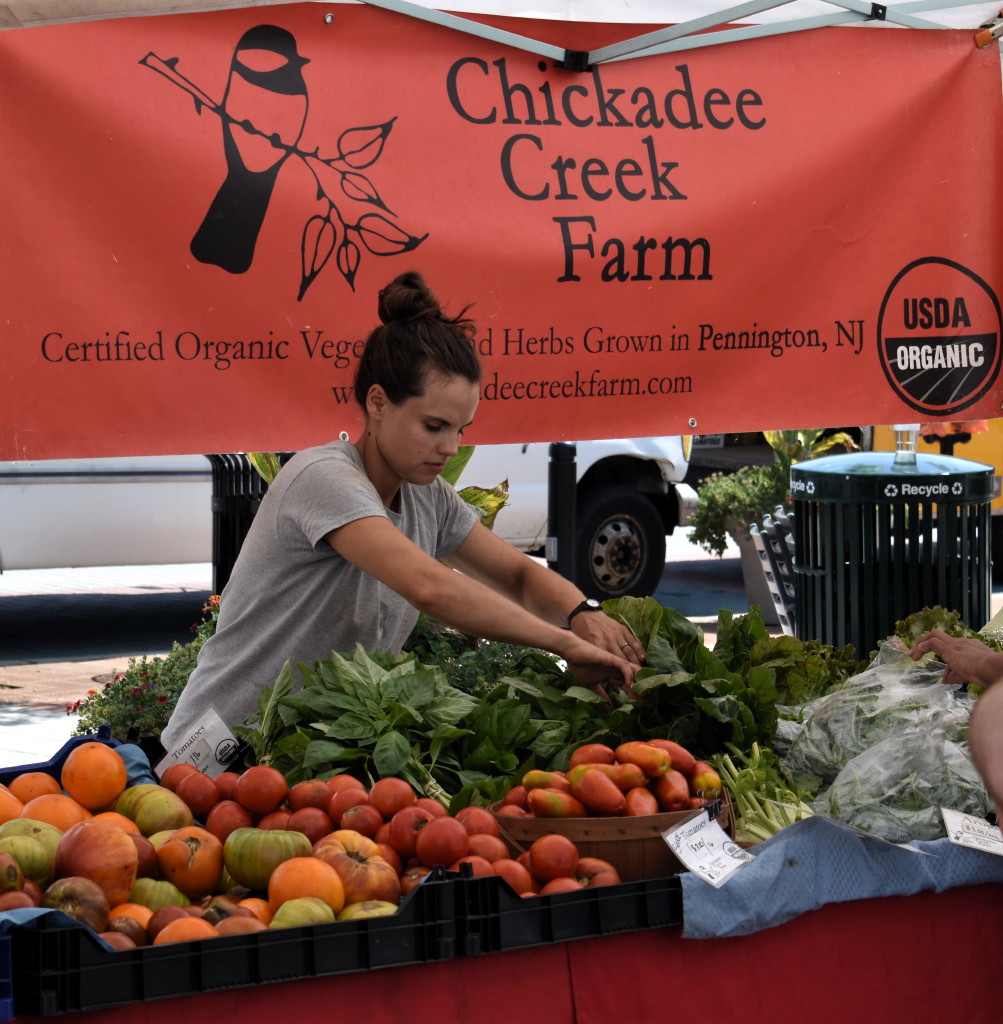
x,y
620,549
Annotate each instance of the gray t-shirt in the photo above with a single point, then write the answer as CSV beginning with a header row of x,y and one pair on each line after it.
x,y
292,597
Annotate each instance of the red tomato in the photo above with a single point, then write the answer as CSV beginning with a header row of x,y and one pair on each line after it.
x,y
479,867
561,884
341,801
309,793
553,856
227,816
478,819
313,822
362,818
336,783
405,827
441,841
226,783
514,873
261,789
391,795
491,848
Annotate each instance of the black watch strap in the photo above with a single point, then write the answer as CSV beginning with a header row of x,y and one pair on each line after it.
x,y
590,604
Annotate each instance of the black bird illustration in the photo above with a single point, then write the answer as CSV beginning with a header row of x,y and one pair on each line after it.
x,y
264,110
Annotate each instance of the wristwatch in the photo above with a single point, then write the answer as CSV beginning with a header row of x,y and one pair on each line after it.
x,y
590,604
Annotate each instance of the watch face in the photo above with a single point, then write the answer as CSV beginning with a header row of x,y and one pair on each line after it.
x,y
592,603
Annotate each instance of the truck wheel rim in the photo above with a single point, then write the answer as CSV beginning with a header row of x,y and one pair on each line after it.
x,y
616,553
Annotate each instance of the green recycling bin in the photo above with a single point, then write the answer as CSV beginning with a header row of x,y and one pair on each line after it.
x,y
878,537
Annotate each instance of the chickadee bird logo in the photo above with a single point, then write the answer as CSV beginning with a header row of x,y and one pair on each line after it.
x,y
264,111
263,116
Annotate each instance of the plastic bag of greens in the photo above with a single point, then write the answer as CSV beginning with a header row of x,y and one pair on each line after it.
x,y
896,788
893,694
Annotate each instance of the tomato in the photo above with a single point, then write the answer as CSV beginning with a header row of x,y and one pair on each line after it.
x,y
561,884
344,799
478,819
174,773
441,841
11,875
516,874
592,753
552,856
650,759
252,854
227,816
491,848
433,806
513,811
517,796
261,789
413,877
478,866
594,871
199,791
682,760
553,803
101,852
639,802
309,793
79,898
226,783
672,791
364,818
704,780
336,783
537,779
313,822
191,858
405,826
277,819
390,795
598,792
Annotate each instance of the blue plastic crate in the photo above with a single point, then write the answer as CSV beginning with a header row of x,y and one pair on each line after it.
x,y
54,765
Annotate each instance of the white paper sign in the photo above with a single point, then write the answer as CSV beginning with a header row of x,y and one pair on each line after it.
x,y
972,831
211,747
706,849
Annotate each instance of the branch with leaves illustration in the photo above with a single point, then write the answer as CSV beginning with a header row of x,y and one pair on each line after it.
x,y
329,232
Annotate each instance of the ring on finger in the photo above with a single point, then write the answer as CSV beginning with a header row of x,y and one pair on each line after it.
x,y
624,644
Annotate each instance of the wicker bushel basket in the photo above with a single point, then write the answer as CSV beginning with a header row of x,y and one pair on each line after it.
x,y
634,846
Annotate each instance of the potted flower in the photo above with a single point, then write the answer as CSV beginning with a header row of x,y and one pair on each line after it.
x,y
727,503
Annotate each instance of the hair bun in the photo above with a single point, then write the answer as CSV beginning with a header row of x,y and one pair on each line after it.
x,y
406,297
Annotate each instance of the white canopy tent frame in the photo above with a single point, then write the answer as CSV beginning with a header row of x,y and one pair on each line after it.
x,y
689,23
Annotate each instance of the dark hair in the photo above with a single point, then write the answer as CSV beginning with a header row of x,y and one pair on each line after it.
x,y
414,337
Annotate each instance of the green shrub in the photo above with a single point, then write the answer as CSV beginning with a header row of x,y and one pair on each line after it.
x,y
141,699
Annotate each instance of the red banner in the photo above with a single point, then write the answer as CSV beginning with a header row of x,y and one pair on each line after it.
x,y
199,210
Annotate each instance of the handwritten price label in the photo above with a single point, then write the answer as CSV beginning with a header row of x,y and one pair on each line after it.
x,y
706,849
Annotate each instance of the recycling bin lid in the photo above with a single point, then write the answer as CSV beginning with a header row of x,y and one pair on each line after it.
x,y
877,476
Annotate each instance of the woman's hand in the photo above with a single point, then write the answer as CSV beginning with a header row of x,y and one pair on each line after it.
x,y
594,667
599,629
966,659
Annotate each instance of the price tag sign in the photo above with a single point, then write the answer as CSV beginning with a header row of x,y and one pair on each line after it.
x,y
972,831
211,747
706,849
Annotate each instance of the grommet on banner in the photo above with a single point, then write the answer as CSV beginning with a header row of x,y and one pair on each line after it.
x,y
878,12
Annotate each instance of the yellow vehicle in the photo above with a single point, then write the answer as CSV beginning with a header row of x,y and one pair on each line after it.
x,y
985,446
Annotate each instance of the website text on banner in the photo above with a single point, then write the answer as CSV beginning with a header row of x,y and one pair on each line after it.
x,y
784,232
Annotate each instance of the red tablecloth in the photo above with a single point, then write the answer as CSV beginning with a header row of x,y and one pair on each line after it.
x,y
932,958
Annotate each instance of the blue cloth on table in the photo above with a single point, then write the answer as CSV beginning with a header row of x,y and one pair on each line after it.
x,y
818,861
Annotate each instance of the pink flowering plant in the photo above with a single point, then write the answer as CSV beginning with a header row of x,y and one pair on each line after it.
x,y
142,697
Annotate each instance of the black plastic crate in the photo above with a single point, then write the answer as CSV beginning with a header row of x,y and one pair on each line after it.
x,y
54,765
492,918
59,966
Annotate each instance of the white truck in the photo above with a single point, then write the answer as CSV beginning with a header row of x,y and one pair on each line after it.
x,y
158,510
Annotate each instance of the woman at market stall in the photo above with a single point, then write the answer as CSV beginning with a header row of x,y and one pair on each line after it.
x,y
969,660
354,539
